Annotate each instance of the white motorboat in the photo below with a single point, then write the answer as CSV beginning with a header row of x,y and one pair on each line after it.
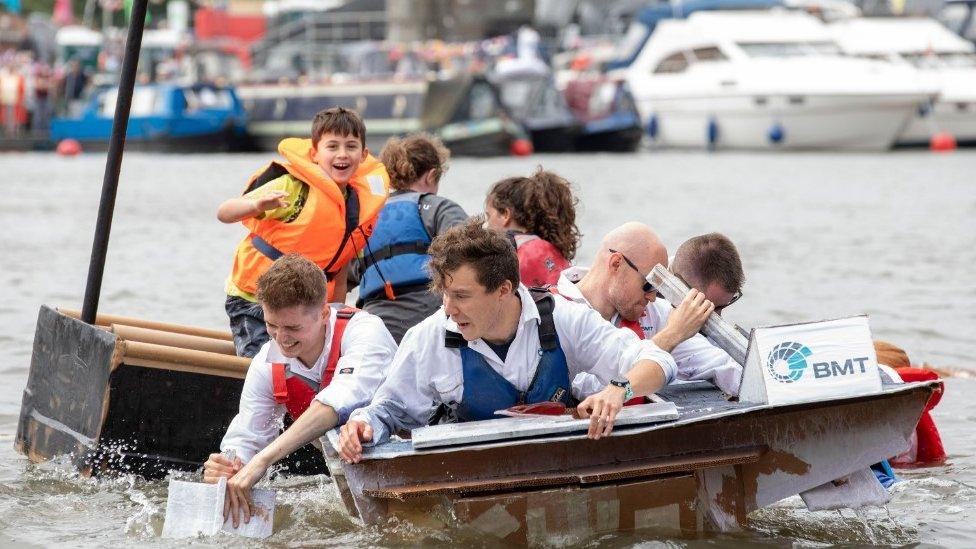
x,y
941,57
769,79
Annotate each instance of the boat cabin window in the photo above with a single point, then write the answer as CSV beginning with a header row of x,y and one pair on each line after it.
x,y
676,62
928,60
789,49
710,53
481,102
628,46
145,102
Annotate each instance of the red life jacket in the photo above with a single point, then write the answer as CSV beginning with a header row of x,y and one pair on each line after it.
x,y
926,448
295,391
625,324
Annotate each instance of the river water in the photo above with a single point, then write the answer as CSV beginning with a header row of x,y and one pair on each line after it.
x,y
821,236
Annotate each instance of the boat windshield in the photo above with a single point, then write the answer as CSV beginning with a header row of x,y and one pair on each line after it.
x,y
789,49
208,98
931,60
145,102
531,97
628,46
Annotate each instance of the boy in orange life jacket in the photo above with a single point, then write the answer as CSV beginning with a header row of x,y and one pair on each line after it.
x,y
322,202
322,363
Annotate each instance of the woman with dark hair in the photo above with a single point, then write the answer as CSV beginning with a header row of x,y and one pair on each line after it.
x,y
539,215
392,269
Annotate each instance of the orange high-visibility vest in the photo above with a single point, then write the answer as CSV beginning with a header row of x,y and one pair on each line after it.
x,y
331,228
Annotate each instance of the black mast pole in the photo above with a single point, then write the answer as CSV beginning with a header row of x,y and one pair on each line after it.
x,y
113,164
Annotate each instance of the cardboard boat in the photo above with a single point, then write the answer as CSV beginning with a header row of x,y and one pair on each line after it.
x,y
131,395
703,472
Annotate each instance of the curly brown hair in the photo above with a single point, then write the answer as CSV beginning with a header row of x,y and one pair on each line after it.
x,y
489,253
542,204
407,159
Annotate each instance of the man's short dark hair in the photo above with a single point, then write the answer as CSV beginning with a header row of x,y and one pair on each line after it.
x,y
340,121
710,258
488,252
292,281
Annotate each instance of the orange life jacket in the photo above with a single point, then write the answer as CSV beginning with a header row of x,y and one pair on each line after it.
x,y
330,230
295,391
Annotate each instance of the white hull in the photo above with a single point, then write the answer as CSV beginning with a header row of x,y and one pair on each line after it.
x,y
846,122
944,118
767,80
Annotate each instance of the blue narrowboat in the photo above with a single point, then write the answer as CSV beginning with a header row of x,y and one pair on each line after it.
x,y
163,118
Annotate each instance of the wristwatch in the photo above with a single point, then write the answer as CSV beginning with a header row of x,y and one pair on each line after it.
x,y
625,385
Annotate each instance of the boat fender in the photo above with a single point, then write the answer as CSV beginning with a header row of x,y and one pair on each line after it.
x,y
521,147
942,142
69,147
924,109
712,132
776,133
652,127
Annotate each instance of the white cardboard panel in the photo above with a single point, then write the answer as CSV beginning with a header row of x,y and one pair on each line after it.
x,y
522,427
810,362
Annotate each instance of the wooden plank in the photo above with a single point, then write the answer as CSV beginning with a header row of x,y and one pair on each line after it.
x,y
522,427
587,476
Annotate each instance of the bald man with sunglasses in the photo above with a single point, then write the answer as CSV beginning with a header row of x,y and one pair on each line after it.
x,y
616,286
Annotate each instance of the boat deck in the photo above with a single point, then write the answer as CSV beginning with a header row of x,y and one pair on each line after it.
x,y
696,402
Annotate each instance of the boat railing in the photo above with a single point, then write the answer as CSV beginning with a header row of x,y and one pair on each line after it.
x,y
316,29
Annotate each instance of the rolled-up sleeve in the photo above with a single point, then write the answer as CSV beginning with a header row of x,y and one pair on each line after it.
x,y
698,359
601,349
367,352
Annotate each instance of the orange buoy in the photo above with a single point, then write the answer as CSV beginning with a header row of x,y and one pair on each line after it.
x,y
69,147
942,142
521,147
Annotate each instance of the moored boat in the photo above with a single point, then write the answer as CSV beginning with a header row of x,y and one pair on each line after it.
x,y
941,57
766,80
464,111
164,117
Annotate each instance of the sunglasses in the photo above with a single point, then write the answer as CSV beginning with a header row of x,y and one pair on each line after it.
x,y
718,308
735,297
647,287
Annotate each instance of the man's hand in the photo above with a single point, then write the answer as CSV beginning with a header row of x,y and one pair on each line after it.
x,y
351,437
238,500
602,409
685,320
270,201
219,465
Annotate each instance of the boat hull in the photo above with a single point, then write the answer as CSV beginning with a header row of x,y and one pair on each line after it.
x,y
704,472
806,121
132,396
957,119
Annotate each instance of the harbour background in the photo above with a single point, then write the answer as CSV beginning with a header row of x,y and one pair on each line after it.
x,y
822,235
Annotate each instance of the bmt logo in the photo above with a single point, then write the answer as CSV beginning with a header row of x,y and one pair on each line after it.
x,y
833,368
788,361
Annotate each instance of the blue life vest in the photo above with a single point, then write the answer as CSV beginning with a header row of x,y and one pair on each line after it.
x,y
485,390
396,253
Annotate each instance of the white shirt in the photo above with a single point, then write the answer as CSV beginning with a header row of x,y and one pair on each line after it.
x,y
426,373
366,352
696,357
